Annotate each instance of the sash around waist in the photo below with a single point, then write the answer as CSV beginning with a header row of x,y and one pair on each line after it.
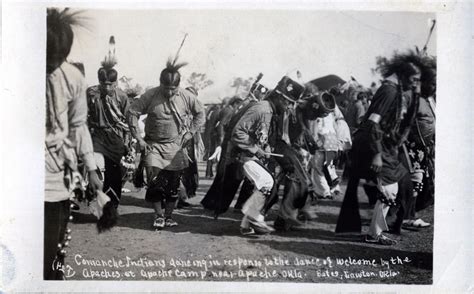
x,y
161,131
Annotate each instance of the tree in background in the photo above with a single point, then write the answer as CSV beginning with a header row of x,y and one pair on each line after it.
x,y
379,62
127,86
242,85
199,81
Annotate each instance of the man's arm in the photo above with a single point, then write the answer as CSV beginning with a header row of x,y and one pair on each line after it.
x,y
124,106
78,130
199,115
133,113
253,121
79,133
383,100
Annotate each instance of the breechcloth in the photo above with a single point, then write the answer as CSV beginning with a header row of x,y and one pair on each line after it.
x,y
113,180
233,177
164,185
112,176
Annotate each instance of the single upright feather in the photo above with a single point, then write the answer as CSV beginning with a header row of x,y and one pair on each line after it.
x,y
110,60
179,49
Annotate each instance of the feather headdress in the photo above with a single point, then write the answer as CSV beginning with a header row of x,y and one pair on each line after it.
x,y
57,20
400,63
107,72
173,66
170,74
110,60
59,38
59,24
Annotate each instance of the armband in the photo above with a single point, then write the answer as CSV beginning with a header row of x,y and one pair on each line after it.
x,y
374,117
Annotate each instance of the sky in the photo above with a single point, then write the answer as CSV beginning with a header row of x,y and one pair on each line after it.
x,y
226,44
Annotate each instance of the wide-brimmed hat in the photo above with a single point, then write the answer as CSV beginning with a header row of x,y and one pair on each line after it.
x,y
291,87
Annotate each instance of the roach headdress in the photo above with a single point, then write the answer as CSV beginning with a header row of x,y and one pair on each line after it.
x,y
59,34
408,63
59,37
170,76
402,64
428,72
107,73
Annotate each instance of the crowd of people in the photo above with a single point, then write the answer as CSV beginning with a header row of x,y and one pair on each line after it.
x,y
292,136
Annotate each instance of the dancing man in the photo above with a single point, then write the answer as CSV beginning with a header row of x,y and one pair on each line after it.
x,y
174,116
251,138
107,123
67,139
377,154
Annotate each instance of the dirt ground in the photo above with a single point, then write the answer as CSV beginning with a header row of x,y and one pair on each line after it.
x,y
204,249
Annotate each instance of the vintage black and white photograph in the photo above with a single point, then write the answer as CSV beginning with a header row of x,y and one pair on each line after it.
x,y
235,147
231,145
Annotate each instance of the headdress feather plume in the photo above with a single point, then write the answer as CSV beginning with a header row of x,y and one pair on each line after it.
x,y
59,41
179,49
172,64
58,19
110,60
432,24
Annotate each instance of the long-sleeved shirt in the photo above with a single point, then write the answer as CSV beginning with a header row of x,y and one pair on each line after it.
x,y
107,111
388,117
66,126
167,121
385,127
252,130
107,122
